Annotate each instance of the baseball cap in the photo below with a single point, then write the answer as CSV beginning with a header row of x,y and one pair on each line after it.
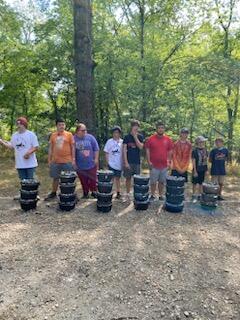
x,y
117,128
184,130
200,139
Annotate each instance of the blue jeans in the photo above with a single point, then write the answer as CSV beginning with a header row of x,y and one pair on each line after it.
x,y
26,173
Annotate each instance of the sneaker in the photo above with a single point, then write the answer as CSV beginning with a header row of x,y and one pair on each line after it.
x,y
161,198
152,198
16,198
220,198
94,194
194,198
50,196
118,195
85,196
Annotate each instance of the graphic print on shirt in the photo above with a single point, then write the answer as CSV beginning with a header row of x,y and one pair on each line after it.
x,y
84,148
59,142
20,143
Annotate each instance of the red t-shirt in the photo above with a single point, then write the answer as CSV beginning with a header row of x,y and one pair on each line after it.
x,y
159,147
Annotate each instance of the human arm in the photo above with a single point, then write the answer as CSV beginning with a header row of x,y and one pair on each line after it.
x,y
6,144
125,159
138,141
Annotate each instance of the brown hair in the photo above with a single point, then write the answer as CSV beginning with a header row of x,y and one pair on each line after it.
x,y
79,126
135,123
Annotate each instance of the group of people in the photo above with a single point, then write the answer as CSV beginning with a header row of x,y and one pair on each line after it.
x,y
80,152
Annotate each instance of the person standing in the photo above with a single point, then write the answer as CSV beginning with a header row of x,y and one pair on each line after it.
x,y
113,154
132,144
87,159
218,157
25,144
158,151
181,155
61,155
200,167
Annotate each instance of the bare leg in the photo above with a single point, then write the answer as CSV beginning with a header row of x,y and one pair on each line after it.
x,y
55,185
194,189
160,188
128,185
153,189
117,183
220,189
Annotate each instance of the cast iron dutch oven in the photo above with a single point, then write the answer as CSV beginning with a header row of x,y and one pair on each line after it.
x,y
67,197
68,176
67,206
29,184
29,195
210,188
141,205
174,207
67,188
104,197
105,187
174,199
104,207
105,175
141,197
141,180
208,205
209,197
175,190
27,205
173,181
143,189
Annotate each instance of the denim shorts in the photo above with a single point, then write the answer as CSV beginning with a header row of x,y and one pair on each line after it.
x,y
27,173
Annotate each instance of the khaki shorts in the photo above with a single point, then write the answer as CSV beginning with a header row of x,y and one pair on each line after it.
x,y
218,179
158,175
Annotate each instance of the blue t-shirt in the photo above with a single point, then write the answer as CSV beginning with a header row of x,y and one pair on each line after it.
x,y
85,149
218,159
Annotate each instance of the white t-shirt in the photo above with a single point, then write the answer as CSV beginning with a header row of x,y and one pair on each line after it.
x,y
21,143
114,149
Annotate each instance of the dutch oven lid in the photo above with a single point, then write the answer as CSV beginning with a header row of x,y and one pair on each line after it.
x,y
29,191
67,184
104,194
29,181
67,204
28,201
174,178
210,185
68,174
105,172
141,176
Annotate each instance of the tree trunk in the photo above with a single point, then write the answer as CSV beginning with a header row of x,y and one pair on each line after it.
x,y
142,56
83,62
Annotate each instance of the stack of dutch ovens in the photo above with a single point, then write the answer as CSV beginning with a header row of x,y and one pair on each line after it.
x,y
29,194
104,195
174,194
209,196
141,192
67,197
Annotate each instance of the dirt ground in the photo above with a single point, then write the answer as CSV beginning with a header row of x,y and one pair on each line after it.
x,y
122,265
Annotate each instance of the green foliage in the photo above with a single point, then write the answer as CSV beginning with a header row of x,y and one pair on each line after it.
x,y
163,56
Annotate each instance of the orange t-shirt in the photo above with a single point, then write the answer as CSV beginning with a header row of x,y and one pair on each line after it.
x,y
181,155
61,146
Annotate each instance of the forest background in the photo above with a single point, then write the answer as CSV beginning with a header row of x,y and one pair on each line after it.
x,y
174,61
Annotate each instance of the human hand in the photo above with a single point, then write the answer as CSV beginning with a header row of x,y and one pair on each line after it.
x,y
127,166
26,156
195,174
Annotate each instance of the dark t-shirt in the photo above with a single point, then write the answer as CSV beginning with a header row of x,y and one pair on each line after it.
x,y
201,157
133,152
218,159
